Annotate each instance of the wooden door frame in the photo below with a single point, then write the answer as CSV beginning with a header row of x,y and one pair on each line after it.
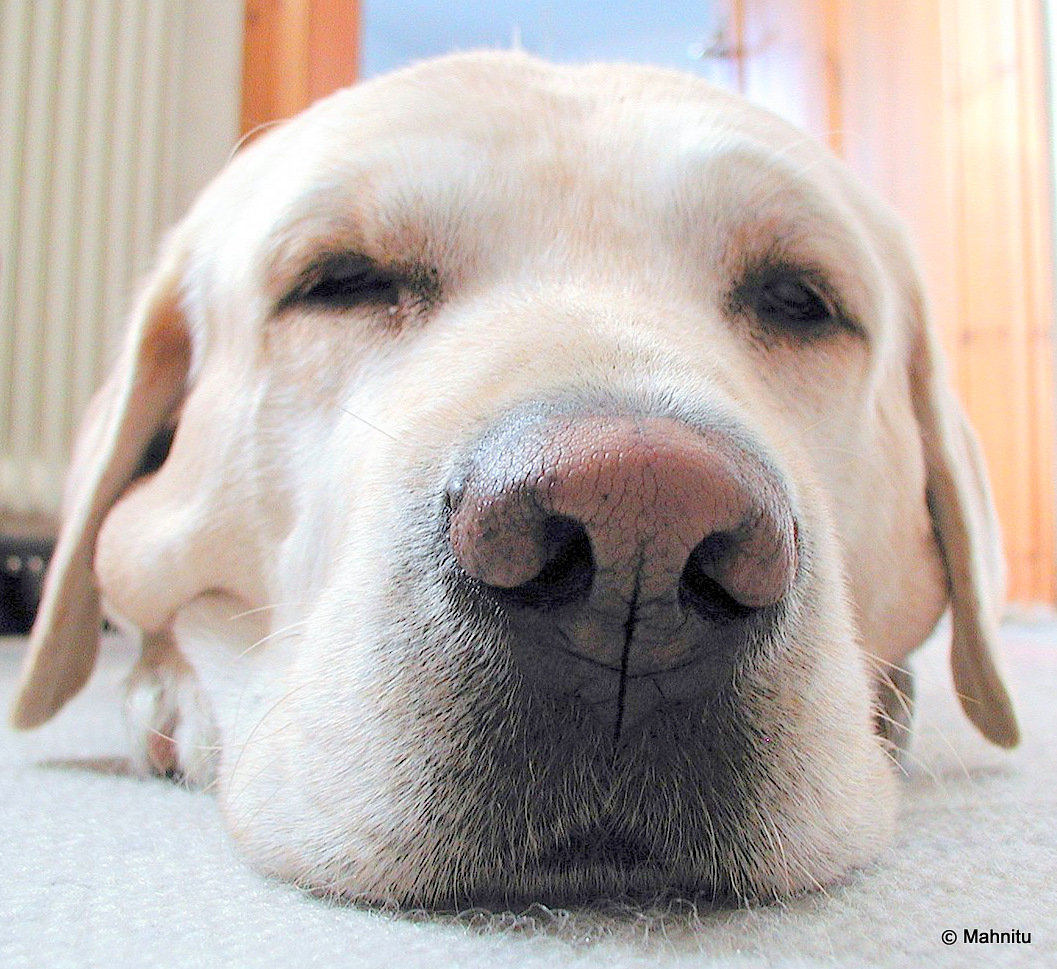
x,y
295,52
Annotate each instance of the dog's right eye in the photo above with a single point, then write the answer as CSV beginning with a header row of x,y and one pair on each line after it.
x,y
345,282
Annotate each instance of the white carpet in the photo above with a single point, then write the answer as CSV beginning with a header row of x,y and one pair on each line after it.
x,y
100,869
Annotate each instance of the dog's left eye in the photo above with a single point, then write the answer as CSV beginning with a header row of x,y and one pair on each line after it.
x,y
344,282
786,300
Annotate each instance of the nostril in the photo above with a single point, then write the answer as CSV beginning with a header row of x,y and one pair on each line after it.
x,y
700,592
453,493
568,567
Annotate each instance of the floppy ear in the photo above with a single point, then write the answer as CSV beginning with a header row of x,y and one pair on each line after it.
x,y
963,515
136,402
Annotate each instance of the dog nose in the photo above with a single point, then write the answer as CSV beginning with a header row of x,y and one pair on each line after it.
x,y
631,545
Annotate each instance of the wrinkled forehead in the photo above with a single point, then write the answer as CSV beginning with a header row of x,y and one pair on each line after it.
x,y
460,159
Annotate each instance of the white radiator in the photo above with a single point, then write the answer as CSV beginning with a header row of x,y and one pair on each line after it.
x,y
98,100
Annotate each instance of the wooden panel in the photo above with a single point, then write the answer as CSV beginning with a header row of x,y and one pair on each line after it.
x,y
940,105
296,51
1037,212
995,106
334,45
892,96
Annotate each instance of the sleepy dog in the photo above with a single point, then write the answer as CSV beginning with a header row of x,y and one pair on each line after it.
x,y
528,482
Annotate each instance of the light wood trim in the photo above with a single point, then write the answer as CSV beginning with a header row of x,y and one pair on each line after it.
x,y
334,42
1037,178
995,100
295,52
784,62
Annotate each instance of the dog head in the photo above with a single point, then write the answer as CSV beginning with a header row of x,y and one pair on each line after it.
x,y
559,459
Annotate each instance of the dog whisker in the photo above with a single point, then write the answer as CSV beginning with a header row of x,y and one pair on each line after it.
x,y
897,753
895,667
903,698
874,658
894,755
263,126
367,423
267,713
258,609
275,634
245,821
942,734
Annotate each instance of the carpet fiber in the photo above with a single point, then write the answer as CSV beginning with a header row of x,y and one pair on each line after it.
x,y
101,869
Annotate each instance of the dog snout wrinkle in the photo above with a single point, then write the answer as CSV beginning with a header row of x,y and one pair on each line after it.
x,y
629,544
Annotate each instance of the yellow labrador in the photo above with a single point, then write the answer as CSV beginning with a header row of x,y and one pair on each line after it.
x,y
524,479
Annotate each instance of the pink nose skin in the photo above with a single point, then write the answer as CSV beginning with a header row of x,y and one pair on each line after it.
x,y
626,543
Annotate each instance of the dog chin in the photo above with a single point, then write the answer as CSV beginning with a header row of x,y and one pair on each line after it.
x,y
681,846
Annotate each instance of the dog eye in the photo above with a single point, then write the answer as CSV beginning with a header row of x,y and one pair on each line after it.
x,y
786,300
345,282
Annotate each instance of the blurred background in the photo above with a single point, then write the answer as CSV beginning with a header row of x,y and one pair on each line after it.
x,y
114,113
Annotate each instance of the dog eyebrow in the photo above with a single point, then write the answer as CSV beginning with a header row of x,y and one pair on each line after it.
x,y
347,221
757,181
301,243
767,209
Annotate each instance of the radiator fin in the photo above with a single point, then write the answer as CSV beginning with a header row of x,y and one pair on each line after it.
x,y
88,99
